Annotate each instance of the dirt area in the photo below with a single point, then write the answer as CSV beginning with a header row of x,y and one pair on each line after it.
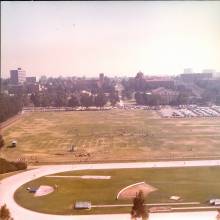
x,y
131,191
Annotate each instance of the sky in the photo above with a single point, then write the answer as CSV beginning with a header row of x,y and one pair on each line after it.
x,y
115,38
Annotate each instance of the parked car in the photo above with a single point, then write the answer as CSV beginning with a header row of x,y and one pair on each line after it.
x,y
214,201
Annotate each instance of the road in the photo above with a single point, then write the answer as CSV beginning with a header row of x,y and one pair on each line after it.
x,y
9,185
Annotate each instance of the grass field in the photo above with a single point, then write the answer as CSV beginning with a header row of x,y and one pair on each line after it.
x,y
110,136
191,184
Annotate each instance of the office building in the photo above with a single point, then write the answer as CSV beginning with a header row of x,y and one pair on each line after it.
x,y
17,76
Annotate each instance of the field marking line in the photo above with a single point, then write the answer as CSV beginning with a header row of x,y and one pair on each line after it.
x,y
196,208
149,204
82,177
135,184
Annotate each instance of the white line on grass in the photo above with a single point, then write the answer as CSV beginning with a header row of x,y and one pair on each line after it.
x,y
149,204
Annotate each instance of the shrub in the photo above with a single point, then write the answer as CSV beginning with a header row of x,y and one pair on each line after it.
x,y
5,213
6,166
20,165
2,142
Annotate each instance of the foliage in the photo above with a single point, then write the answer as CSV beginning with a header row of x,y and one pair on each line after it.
x,y
5,213
138,208
86,100
6,166
2,142
19,165
10,106
72,92
73,101
100,100
113,98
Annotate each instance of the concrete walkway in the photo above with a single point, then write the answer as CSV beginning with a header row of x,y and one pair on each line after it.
x,y
9,185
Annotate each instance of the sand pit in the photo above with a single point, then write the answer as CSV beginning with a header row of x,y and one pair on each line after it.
x,y
43,190
130,192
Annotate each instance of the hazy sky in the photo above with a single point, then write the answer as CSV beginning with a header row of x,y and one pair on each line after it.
x,y
117,38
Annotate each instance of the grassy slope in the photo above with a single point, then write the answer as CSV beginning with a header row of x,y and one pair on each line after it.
x,y
192,184
131,135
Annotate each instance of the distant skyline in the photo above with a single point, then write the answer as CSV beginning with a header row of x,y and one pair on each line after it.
x,y
116,38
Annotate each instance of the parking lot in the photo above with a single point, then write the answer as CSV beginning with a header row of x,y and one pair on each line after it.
x,y
189,111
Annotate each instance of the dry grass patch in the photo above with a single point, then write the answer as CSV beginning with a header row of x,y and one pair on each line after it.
x,y
110,135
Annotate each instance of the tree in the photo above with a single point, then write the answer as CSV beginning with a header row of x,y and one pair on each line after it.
x,y
138,208
10,106
113,98
5,213
139,98
60,99
100,100
86,100
35,98
140,84
2,142
126,94
182,99
73,101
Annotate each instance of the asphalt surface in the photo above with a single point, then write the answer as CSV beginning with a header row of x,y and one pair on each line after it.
x,y
9,185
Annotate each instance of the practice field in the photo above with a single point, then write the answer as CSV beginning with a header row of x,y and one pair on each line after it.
x,y
116,135
198,184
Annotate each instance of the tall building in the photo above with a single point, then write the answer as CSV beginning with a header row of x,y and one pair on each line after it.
x,y
17,76
209,71
101,77
31,79
156,82
188,70
193,77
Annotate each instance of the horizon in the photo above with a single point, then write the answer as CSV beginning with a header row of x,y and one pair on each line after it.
x,y
215,74
157,38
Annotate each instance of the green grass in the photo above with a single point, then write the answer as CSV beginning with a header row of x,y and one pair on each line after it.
x,y
115,135
191,184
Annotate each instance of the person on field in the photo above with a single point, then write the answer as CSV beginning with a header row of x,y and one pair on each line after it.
x,y
56,187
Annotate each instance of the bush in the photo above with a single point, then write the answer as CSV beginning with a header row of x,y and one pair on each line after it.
x,y
2,142
6,166
20,165
5,213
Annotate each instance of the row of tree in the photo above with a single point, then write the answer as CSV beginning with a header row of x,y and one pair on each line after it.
x,y
76,84
85,99
10,106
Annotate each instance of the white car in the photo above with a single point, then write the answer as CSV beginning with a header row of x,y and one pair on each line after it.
x,y
214,201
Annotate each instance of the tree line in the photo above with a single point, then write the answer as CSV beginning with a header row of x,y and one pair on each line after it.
x,y
61,99
73,92
10,106
60,92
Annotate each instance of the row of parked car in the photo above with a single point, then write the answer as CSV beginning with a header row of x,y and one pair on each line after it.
x,y
190,111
